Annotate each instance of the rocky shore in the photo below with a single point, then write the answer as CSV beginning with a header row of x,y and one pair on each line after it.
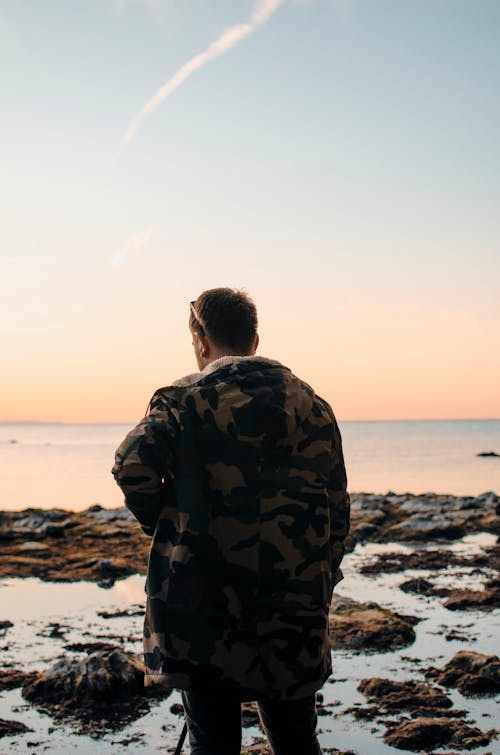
x,y
411,549
103,545
98,545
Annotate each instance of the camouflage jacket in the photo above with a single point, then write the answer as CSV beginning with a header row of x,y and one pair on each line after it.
x,y
237,473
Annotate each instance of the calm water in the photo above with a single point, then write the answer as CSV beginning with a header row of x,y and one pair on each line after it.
x,y
46,465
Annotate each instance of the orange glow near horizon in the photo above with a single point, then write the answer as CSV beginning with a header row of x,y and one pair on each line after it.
x,y
368,369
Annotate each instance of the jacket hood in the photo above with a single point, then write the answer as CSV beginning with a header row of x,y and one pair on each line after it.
x,y
281,391
227,361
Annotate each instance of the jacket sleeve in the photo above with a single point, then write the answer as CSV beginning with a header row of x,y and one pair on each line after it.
x,y
339,505
144,464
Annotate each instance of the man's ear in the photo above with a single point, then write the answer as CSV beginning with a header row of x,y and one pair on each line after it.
x,y
202,345
256,343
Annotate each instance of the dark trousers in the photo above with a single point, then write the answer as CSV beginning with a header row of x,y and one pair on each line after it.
x,y
214,724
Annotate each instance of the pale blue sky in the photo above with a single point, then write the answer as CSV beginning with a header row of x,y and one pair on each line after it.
x,y
342,163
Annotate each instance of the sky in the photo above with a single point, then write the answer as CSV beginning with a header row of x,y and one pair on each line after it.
x,y
338,159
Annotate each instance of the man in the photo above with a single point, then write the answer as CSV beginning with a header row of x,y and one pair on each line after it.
x,y
237,474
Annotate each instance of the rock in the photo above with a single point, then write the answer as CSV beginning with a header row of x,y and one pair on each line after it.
x,y
489,453
249,715
102,675
406,695
33,545
433,527
6,624
424,517
36,524
471,673
258,747
418,586
177,709
104,689
362,532
390,563
104,516
110,569
367,626
425,734
129,611
457,636
364,714
54,630
10,678
88,647
262,747
421,586
84,555
8,728
486,599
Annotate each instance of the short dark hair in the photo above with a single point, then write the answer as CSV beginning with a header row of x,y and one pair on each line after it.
x,y
229,318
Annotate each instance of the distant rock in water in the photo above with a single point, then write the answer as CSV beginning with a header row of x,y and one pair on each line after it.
x,y
489,453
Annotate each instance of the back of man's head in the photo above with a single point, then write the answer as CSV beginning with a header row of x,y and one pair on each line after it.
x,y
228,318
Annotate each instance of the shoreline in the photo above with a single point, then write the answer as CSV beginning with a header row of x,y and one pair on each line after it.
x,y
103,545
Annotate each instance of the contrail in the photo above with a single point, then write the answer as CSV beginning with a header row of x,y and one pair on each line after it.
x,y
131,246
229,39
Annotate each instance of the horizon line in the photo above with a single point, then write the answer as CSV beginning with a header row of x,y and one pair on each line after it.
x,y
134,422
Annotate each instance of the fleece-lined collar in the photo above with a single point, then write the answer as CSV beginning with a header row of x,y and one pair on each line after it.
x,y
217,364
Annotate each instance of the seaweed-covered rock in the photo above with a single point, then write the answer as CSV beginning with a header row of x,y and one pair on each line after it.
x,y
406,695
10,678
36,524
257,748
484,600
262,747
390,563
430,516
420,586
432,560
9,728
37,543
471,673
367,626
103,675
85,554
435,526
426,734
106,686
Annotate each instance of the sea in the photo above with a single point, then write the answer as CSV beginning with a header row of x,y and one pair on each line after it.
x,y
48,465
68,466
